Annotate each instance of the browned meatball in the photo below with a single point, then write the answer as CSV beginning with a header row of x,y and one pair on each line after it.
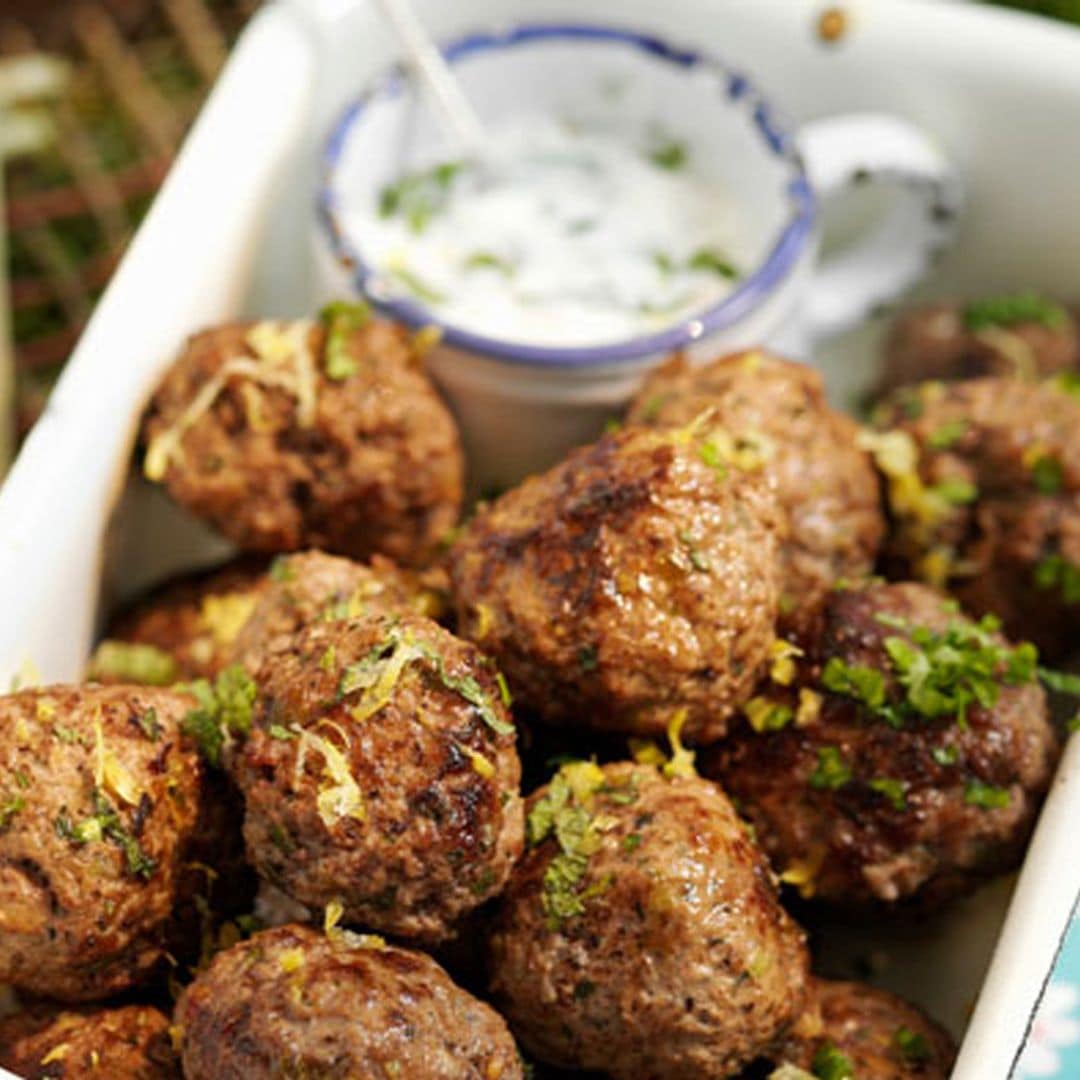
x,y
903,756
870,1033
826,484
984,493
314,587
295,1002
99,797
1014,336
183,630
382,771
130,1042
641,935
636,579
309,434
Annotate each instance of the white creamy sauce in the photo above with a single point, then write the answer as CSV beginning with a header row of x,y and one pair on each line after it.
x,y
573,237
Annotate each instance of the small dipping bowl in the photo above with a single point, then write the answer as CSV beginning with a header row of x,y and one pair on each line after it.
x,y
522,406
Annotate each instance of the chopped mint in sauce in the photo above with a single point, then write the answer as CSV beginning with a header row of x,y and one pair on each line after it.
x,y
1025,307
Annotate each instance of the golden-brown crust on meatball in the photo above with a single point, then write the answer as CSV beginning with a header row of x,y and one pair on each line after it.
x,y
879,804
372,464
636,579
825,483
641,934
293,1002
989,503
101,795
382,771
880,1035
129,1042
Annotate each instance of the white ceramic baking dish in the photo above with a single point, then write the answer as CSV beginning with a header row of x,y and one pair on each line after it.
x,y
229,235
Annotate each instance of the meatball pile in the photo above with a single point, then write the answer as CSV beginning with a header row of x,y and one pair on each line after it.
x,y
902,756
673,633
636,580
98,810
642,934
127,1042
381,772
298,1002
312,433
826,483
984,496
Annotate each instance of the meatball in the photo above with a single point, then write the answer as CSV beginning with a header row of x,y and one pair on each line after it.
x,y
641,935
902,756
826,484
382,772
636,579
309,434
1019,336
874,1034
99,798
295,1002
984,493
183,630
312,586
130,1042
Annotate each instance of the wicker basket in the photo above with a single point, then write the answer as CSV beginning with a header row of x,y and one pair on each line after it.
x,y
140,70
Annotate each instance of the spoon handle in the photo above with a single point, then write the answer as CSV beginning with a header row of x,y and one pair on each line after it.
x,y
430,64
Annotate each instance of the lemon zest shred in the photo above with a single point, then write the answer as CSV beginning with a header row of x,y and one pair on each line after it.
x,y
225,614
57,1053
784,654
681,762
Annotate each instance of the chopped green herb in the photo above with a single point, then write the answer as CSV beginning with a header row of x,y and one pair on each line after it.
x,y
106,824
1060,682
588,658
956,491
488,260
563,814
663,262
66,735
328,660
865,684
417,286
830,1063
976,793
944,674
631,842
945,755
1025,307
710,454
670,154
149,724
1068,382
9,808
223,712
948,434
342,319
281,570
276,731
281,839
1047,474
697,560
419,196
893,790
832,772
711,261
912,1045
1055,571
22,781
133,662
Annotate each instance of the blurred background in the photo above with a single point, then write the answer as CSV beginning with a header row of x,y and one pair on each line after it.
x,y
95,99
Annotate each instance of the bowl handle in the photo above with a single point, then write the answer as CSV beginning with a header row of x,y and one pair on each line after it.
x,y
844,152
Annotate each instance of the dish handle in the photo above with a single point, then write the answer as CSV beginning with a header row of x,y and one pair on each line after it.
x,y
843,153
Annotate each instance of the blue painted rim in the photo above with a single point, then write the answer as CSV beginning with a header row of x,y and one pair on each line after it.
x,y
750,293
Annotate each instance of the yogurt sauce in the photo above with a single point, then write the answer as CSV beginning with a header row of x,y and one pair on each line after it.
x,y
574,237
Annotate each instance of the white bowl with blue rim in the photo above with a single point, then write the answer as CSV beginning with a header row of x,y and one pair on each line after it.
x,y
521,405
